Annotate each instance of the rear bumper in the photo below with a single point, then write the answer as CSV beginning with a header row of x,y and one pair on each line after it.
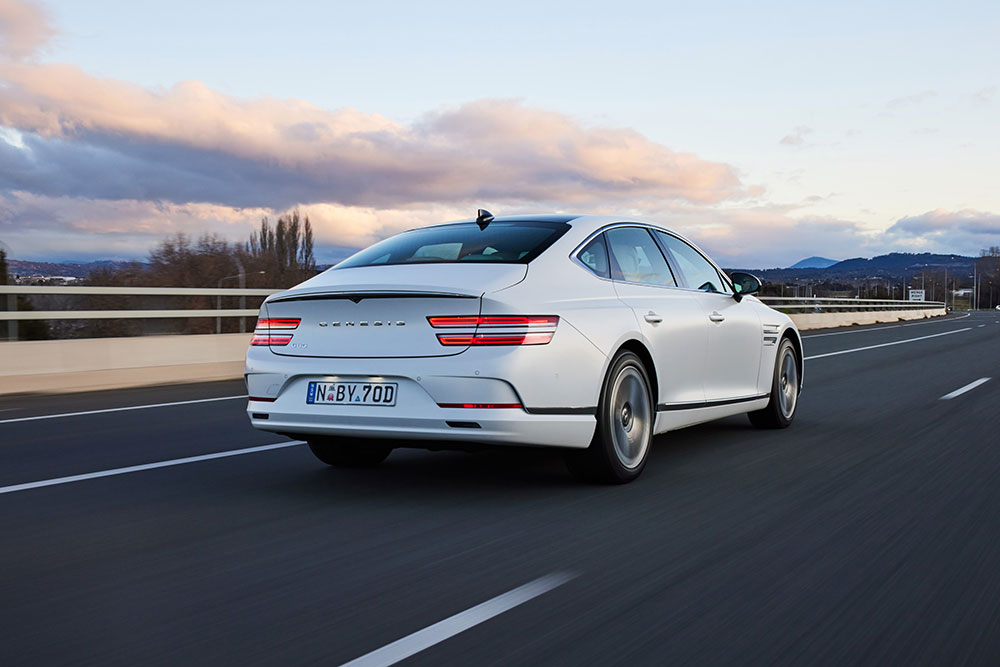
x,y
558,413
440,425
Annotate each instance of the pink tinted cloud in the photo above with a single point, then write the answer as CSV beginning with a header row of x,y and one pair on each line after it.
x,y
24,28
497,149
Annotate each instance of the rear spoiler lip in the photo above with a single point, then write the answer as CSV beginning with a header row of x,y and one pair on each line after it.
x,y
360,295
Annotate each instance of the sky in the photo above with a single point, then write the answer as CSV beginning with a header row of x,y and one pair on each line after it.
x,y
766,131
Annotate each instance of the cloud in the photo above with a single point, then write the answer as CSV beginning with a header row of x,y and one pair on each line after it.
x,y
102,168
191,143
772,236
24,28
986,95
797,137
72,134
910,100
965,231
129,228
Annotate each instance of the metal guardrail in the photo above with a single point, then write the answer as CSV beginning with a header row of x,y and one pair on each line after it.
x,y
13,291
12,315
844,304
9,307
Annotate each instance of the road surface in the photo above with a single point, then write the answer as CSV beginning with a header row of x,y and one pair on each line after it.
x,y
867,532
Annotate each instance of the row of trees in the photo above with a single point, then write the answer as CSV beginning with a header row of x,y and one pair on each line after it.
x,y
274,256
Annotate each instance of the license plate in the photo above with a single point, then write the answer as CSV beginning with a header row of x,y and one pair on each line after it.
x,y
352,393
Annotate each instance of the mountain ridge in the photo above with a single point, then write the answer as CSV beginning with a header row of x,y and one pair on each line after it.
x,y
814,262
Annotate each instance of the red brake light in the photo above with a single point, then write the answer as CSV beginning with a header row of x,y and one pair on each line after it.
x,y
526,329
496,339
281,323
454,321
277,341
469,321
518,321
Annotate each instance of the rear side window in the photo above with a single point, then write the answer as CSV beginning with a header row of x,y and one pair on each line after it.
x,y
698,272
500,243
595,257
635,257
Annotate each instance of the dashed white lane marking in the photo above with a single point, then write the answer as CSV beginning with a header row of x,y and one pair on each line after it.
x,y
145,466
410,645
961,390
898,342
981,326
891,326
130,407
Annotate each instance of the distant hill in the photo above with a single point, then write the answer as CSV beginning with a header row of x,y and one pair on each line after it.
x,y
813,263
904,260
21,267
896,266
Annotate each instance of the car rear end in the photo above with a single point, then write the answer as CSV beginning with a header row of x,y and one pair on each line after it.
x,y
433,352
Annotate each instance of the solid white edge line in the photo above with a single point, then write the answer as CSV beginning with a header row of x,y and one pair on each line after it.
x,y
410,645
145,466
961,390
891,326
897,342
128,407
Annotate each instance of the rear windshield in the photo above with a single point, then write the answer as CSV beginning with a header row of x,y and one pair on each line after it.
x,y
500,243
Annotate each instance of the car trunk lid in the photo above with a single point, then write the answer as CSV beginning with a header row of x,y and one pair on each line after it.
x,y
381,312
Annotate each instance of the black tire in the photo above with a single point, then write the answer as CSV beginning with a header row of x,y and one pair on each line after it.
x,y
780,410
625,415
349,452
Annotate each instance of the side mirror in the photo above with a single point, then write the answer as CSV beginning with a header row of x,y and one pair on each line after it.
x,y
744,283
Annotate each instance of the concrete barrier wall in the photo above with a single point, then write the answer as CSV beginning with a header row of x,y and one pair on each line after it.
x,y
108,363
805,321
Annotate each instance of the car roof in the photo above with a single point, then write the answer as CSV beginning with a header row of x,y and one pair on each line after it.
x,y
570,218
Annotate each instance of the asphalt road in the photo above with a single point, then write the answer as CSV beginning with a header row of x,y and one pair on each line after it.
x,y
868,532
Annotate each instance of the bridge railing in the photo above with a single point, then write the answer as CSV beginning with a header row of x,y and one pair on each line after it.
x,y
73,306
19,303
791,304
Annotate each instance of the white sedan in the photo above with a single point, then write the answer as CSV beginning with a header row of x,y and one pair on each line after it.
x,y
588,333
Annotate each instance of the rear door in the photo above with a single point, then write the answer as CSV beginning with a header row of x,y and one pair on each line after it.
x,y
733,329
669,318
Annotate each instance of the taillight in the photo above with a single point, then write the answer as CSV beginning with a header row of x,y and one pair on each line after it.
x,y
277,341
468,321
278,324
518,329
496,339
453,321
262,332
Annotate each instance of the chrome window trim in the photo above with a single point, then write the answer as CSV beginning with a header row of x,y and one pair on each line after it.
x,y
723,276
574,256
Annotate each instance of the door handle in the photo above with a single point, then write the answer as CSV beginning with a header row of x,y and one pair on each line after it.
x,y
652,318
717,317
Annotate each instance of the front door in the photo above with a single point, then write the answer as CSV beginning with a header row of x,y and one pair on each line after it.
x,y
733,329
669,318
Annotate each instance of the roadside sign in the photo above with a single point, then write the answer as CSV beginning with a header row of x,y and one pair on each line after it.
x,y
917,295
